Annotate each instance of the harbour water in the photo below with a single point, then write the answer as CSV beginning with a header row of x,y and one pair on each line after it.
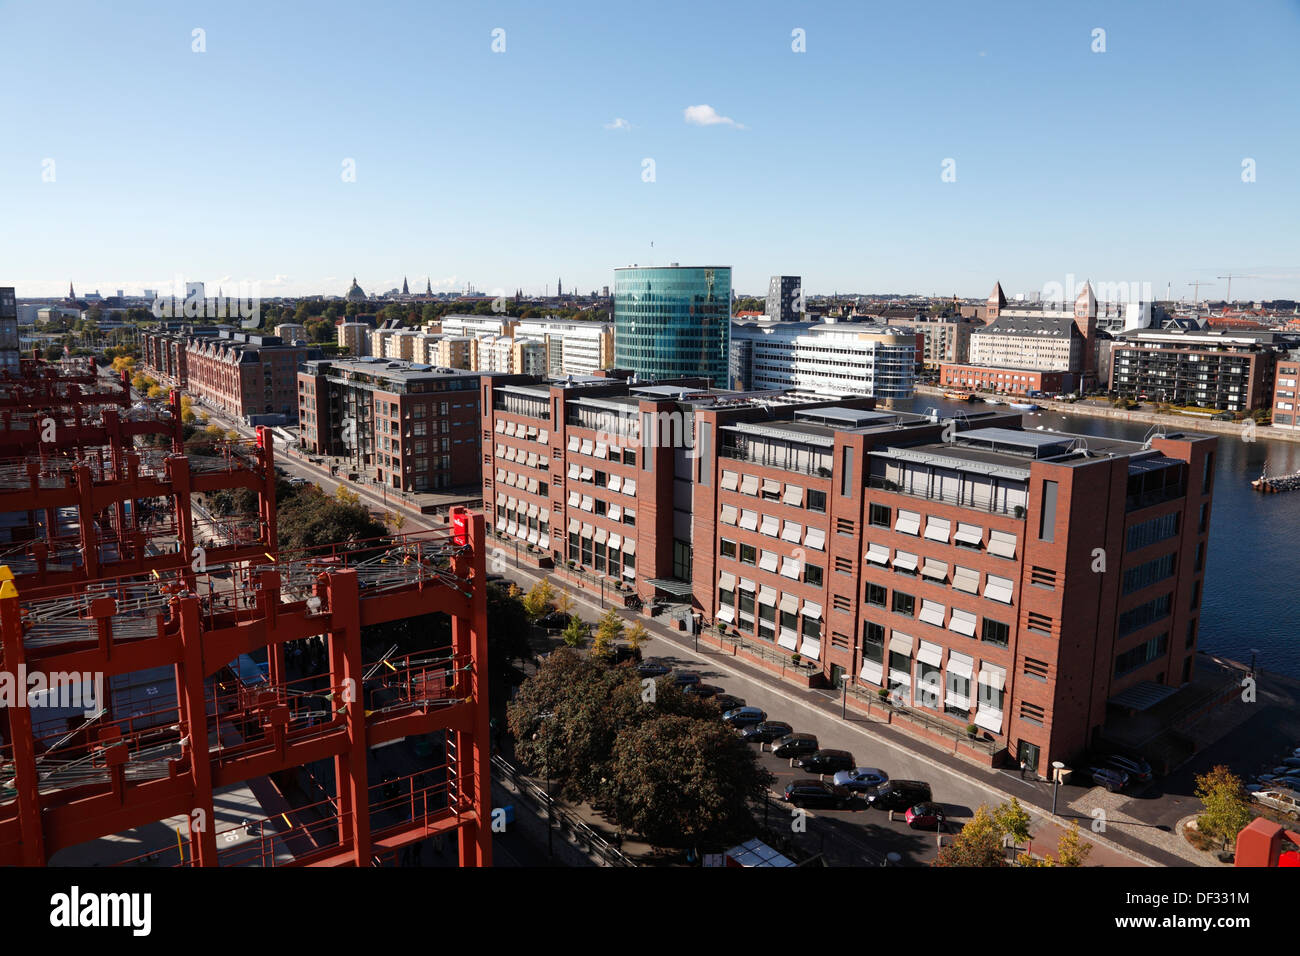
x,y
1251,602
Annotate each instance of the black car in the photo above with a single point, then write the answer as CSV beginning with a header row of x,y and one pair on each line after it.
x,y
817,794
702,691
899,794
795,745
652,668
729,702
826,761
1137,769
554,621
744,716
766,732
685,679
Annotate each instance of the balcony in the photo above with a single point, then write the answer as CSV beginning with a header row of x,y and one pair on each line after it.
x,y
989,507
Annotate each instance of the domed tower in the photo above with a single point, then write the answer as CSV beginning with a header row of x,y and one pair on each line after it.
x,y
355,294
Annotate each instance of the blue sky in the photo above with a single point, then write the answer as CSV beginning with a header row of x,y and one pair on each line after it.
x,y
498,168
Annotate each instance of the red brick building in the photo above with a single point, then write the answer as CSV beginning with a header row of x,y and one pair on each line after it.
x,y
245,373
1010,381
404,425
1286,393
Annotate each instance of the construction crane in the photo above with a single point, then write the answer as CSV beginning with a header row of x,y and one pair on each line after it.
x,y
1196,300
1230,277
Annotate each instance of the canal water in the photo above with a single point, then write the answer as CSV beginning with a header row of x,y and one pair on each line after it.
x,y
1251,601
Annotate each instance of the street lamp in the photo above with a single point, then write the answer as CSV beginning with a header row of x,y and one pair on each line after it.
x,y
1057,767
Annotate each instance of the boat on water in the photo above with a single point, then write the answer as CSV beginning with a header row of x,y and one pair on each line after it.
x,y
1024,406
959,396
992,401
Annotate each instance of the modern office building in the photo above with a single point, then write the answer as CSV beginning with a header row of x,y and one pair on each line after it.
x,y
403,424
785,299
1232,370
673,321
824,358
952,564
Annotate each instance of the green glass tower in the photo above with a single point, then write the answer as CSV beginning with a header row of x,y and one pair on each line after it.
x,y
671,321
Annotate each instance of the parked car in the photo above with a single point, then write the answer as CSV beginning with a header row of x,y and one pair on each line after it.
x,y
926,816
729,702
1291,780
861,779
826,761
1108,777
1292,762
766,732
555,620
898,794
816,793
652,668
1280,800
684,679
702,691
744,716
795,745
1137,769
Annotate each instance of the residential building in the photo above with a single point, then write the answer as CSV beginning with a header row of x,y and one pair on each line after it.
x,y
246,374
291,332
1286,392
785,299
1232,370
403,424
9,330
673,321
355,337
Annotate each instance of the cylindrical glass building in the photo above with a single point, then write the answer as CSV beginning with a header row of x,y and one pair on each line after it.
x,y
672,321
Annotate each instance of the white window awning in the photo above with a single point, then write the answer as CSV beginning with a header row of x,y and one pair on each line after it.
x,y
771,526
543,436
615,542
934,569
532,459
793,496
574,524
908,522
629,546
574,499
510,428
533,535
900,644
574,442
728,514
501,474
545,542
1002,544
748,585
602,449
726,614
587,446
872,672
749,485
877,554
749,520
969,533
629,572
937,529
997,589
629,487
903,561
587,474
960,664
966,579
501,524
932,612
587,530
615,512
815,539
767,560
788,639
533,511
771,487
601,536
730,480
615,483
792,532
533,485
811,648
767,596
931,654
588,503
962,622
501,424
789,604
812,610
790,568
989,719
727,581
501,497
574,469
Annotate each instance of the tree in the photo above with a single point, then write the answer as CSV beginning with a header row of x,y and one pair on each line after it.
x,y
538,599
564,603
576,632
312,519
978,844
608,630
1012,820
507,627
1071,850
636,636
1227,808
346,496
659,787
187,410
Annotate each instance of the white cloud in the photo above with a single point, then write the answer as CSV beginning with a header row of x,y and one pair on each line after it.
x,y
619,123
705,115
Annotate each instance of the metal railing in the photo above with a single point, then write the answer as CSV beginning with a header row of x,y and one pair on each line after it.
x,y
991,507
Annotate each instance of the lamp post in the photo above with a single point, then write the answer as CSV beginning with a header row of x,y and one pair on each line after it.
x,y
1057,767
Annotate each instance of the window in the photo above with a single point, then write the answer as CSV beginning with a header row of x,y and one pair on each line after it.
x,y
1144,614
812,574
1207,478
1047,517
728,549
904,604
879,516
1205,518
1145,575
1151,531
817,501
1196,595
877,595
748,554
995,633
1191,633
846,473
1142,655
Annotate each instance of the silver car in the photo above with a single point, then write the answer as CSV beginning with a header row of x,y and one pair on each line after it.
x,y
860,779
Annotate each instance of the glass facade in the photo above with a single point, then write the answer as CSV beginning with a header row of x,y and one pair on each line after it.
x,y
673,321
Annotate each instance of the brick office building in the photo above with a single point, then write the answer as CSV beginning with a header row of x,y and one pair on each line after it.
x,y
403,424
1286,392
868,544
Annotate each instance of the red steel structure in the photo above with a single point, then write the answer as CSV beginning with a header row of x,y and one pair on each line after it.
x,y
86,590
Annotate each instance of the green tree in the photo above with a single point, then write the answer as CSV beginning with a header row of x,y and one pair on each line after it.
x,y
1071,850
1227,807
577,632
978,844
636,636
1012,820
659,787
608,630
312,519
538,599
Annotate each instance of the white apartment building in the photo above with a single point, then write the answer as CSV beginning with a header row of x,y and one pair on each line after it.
x,y
824,358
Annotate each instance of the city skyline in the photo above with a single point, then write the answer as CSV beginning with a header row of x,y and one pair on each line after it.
x,y
864,150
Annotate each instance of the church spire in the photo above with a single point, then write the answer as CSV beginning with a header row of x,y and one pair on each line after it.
x,y
405,290
428,286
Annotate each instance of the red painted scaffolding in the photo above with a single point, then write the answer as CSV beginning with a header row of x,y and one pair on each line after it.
x,y
86,590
